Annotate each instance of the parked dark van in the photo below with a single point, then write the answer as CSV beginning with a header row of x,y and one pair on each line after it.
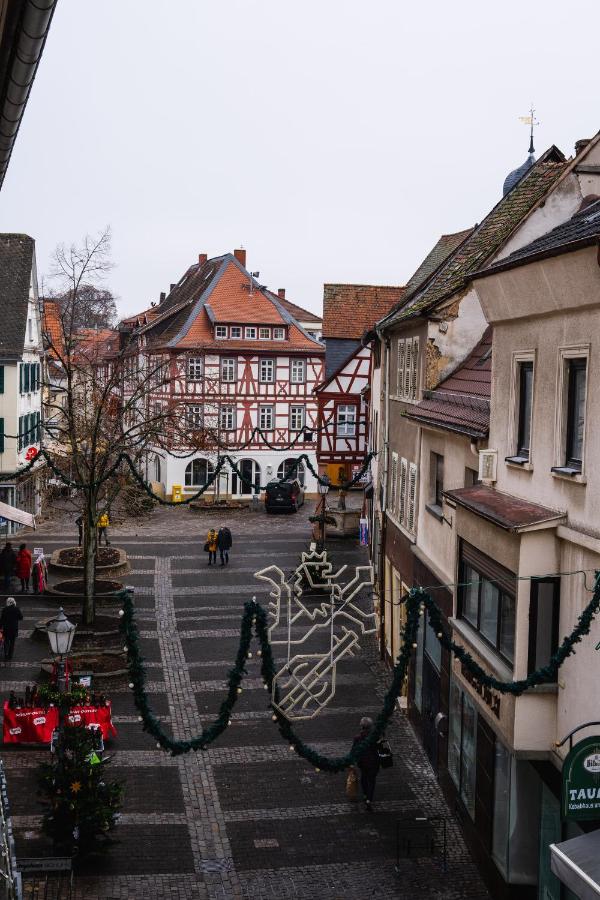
x,y
284,495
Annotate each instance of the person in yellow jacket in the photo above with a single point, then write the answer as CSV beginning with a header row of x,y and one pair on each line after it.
x,y
211,546
103,524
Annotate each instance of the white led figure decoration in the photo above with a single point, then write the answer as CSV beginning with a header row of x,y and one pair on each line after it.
x,y
307,681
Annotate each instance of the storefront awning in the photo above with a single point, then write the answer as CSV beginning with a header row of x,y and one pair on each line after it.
x,y
577,864
12,514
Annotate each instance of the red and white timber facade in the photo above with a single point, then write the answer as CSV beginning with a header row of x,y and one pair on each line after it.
x,y
344,417
237,361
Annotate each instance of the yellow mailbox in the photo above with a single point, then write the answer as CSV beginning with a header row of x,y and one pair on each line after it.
x,y
177,493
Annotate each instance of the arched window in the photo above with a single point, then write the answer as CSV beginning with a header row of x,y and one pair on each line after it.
x,y
286,470
197,472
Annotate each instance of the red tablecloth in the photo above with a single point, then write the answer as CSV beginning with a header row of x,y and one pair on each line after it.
x,y
35,726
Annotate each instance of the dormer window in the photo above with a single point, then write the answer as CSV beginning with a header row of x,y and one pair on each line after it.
x,y
220,332
264,334
250,333
235,332
279,334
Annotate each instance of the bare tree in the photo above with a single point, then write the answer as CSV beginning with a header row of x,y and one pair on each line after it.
x,y
99,402
95,307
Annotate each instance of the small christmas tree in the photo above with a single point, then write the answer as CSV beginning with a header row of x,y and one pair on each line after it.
x,y
82,807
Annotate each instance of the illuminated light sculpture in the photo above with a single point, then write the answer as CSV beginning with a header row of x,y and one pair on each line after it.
x,y
306,682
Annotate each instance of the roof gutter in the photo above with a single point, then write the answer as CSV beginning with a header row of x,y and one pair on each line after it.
x,y
28,46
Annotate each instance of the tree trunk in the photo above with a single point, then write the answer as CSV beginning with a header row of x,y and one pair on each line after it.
x,y
90,544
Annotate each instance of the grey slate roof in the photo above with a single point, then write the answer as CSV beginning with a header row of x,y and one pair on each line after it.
x,y
337,352
16,261
581,230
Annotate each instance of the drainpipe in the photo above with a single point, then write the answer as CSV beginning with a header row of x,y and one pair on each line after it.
x,y
384,478
27,46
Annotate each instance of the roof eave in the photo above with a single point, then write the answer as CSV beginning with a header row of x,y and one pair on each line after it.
x,y
569,247
444,426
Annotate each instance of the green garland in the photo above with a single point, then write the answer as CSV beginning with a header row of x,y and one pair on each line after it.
x,y
222,460
255,619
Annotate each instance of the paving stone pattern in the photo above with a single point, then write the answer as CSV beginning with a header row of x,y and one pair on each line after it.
x,y
247,818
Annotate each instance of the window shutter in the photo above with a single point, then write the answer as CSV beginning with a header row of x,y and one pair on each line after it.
x,y
26,378
2,435
415,369
394,483
20,378
412,497
19,433
400,376
1,379
39,376
407,370
402,504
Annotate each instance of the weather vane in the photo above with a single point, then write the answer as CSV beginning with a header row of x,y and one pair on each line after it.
x,y
531,121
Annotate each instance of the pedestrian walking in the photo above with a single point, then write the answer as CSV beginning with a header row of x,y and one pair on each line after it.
x,y
367,762
103,524
211,546
9,623
224,543
23,567
8,561
79,523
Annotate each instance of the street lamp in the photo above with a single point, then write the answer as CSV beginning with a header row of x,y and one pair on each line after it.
x,y
323,485
60,636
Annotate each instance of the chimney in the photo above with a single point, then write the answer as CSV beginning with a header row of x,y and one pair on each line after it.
x,y
240,255
202,257
580,145
281,293
173,285
162,296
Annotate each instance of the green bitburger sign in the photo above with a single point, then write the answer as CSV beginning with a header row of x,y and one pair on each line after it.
x,y
581,781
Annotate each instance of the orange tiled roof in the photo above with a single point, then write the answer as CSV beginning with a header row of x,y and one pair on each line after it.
x,y
52,328
98,342
351,309
218,291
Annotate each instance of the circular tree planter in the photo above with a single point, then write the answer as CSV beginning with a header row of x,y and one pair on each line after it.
x,y
105,665
104,590
110,562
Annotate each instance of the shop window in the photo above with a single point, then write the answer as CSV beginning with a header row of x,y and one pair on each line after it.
x,y
544,608
516,817
462,745
486,600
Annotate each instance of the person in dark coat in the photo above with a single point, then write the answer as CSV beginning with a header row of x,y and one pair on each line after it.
x,y
9,623
367,762
8,561
224,543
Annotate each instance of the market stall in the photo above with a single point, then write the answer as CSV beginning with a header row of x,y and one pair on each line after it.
x,y
35,725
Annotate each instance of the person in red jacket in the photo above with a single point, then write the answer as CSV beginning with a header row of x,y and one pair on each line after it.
x,y
23,567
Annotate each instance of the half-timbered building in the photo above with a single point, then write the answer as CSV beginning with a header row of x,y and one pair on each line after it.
x,y
349,311
242,370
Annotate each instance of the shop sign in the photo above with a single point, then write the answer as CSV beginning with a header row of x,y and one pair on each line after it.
x,y
581,781
489,697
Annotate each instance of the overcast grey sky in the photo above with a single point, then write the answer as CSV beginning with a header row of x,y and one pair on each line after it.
x,y
334,139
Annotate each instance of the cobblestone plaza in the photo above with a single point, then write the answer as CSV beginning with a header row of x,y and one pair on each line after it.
x,y
247,818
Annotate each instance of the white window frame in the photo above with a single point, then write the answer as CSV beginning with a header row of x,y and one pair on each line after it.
x,y
221,332
228,369
195,368
579,351
266,412
407,369
264,334
269,367
514,401
279,334
194,416
341,427
227,418
250,332
298,371
297,424
237,336
394,483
